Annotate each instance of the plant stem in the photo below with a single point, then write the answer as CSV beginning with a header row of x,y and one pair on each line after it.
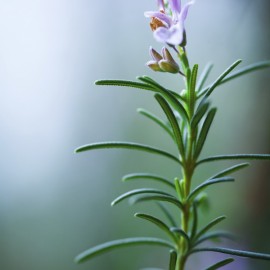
x,y
188,167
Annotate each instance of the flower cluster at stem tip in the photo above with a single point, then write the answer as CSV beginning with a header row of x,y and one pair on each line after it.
x,y
167,25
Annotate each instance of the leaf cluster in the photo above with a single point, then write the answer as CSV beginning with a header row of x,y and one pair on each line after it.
x,y
189,118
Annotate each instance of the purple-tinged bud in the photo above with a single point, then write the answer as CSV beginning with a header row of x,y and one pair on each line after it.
x,y
167,63
163,63
154,66
168,66
155,55
167,56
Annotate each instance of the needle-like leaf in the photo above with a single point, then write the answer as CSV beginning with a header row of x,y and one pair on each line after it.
x,y
174,124
136,176
230,170
204,131
132,84
167,214
221,77
199,114
173,259
240,72
105,247
124,83
191,95
235,157
157,120
182,234
204,76
159,224
220,264
137,192
213,86
214,236
174,102
127,145
235,252
163,198
209,226
247,69
207,183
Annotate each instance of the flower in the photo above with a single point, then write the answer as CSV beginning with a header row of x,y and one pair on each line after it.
x,y
168,23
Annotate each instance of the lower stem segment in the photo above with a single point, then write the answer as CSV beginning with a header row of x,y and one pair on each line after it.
x,y
180,263
183,248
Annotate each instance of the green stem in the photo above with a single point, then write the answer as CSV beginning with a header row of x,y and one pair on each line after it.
x,y
188,168
180,263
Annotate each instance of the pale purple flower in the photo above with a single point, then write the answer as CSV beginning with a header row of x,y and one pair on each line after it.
x,y
168,24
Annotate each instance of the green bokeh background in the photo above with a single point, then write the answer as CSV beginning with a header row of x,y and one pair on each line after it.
x,y
55,204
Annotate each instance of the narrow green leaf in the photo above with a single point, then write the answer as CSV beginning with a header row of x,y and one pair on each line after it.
x,y
124,83
135,176
235,252
159,224
204,132
132,84
153,82
179,188
105,247
214,236
167,214
165,198
173,259
199,114
192,88
247,69
220,78
193,79
157,120
175,103
183,234
174,124
220,264
230,170
235,157
127,145
240,72
204,76
136,192
207,183
209,226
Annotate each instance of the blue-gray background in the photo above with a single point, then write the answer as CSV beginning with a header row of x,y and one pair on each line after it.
x,y
53,203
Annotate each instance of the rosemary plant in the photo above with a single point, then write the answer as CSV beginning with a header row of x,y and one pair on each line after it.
x,y
189,116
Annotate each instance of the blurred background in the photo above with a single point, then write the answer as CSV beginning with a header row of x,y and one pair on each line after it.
x,y
55,204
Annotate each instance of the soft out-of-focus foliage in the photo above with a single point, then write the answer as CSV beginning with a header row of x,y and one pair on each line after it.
x,y
54,204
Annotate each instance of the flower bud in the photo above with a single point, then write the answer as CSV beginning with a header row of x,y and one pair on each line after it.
x,y
154,66
162,63
167,56
168,66
155,55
